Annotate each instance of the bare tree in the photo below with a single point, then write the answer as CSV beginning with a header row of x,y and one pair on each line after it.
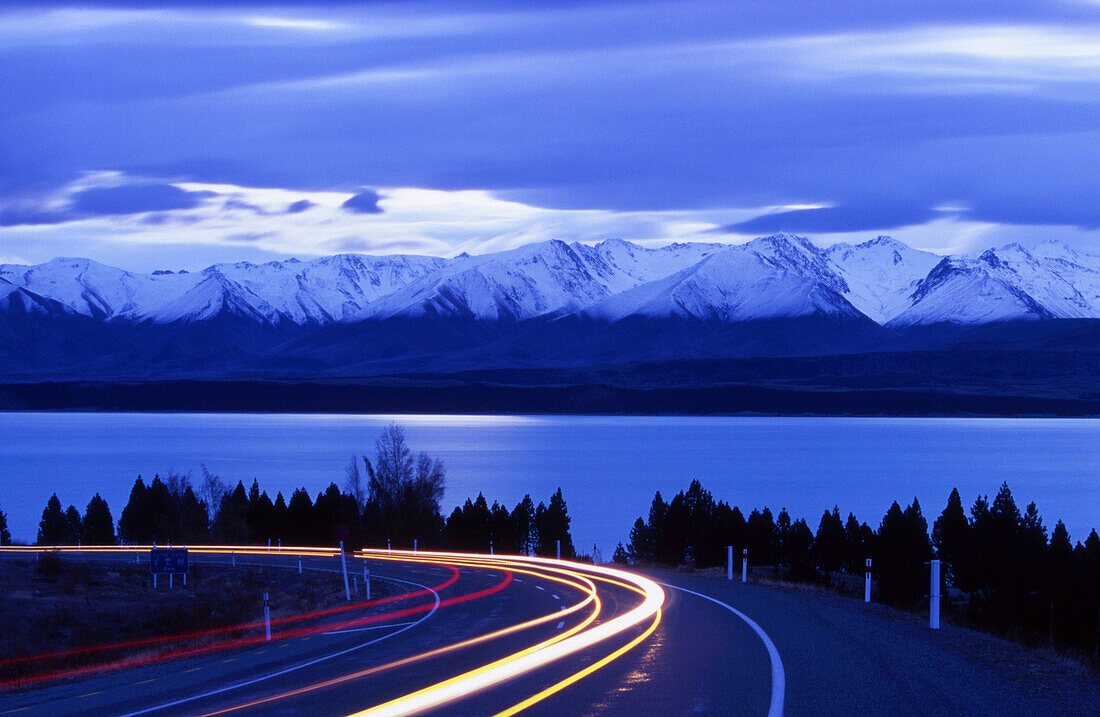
x,y
392,470
212,490
353,484
427,487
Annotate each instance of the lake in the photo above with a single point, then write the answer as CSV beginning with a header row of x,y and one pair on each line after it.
x,y
608,467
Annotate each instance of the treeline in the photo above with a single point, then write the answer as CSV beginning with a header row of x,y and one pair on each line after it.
x,y
1001,570
392,500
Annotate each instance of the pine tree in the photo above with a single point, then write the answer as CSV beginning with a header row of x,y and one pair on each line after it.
x,y
5,536
135,525
829,543
552,522
523,523
52,528
299,518
952,540
97,527
901,550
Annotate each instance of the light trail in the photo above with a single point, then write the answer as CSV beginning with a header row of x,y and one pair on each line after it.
x,y
586,635
538,656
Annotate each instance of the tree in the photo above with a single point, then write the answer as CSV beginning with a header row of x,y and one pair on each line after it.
x,y
523,525
299,518
231,522
53,527
830,543
97,526
353,484
952,540
5,536
404,492
901,550
135,525
552,522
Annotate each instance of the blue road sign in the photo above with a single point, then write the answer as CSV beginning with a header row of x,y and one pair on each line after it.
x,y
168,561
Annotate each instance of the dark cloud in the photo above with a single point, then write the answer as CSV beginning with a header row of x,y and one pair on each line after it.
x,y
847,218
365,202
299,206
134,199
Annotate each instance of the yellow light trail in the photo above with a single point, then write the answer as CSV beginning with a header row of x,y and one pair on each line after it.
x,y
577,638
535,657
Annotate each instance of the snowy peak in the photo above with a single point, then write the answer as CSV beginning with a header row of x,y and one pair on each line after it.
x,y
737,284
782,275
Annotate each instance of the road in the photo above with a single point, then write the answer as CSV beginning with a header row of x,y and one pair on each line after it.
x,y
469,635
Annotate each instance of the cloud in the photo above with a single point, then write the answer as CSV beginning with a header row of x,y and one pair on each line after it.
x,y
299,206
365,202
133,199
840,219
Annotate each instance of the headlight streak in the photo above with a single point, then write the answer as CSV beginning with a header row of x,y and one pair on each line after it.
x,y
243,642
145,642
579,637
520,663
588,589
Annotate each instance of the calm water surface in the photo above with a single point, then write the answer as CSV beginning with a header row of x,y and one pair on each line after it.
x,y
608,467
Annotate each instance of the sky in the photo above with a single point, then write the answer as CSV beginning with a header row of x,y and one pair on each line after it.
x,y
148,136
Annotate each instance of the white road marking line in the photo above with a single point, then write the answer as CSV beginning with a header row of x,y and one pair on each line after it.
x,y
539,587
364,629
555,597
516,580
779,680
561,624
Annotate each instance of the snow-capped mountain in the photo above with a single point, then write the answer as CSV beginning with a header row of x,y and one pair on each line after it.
x,y
781,275
535,280
550,303
765,279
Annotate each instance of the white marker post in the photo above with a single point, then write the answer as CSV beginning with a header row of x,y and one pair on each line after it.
x,y
355,585
745,565
867,583
269,545
414,544
388,546
729,562
234,559
267,620
299,564
934,597
344,566
558,543
490,547
366,580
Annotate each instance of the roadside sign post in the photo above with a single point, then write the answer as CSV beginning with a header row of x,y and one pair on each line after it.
x,y
168,561
267,619
934,597
867,583
344,569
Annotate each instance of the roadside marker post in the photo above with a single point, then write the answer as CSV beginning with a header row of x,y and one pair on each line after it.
x,y
269,545
267,619
558,544
344,568
745,565
388,546
490,547
414,544
934,597
299,565
366,580
867,583
355,585
729,562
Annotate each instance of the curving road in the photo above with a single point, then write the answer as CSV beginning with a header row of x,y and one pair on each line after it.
x,y
481,635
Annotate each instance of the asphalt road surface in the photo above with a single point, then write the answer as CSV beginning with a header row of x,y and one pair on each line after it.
x,y
719,648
